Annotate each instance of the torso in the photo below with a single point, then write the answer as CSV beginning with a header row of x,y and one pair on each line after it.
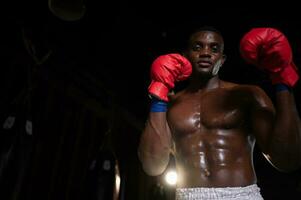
x,y
212,138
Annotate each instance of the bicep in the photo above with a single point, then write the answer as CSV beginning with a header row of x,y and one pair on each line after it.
x,y
262,119
262,127
155,144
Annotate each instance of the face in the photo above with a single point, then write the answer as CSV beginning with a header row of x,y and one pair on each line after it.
x,y
205,52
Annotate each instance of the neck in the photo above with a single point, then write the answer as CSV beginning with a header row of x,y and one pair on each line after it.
x,y
204,84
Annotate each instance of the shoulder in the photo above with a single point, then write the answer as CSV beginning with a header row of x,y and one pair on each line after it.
x,y
173,96
255,94
246,87
250,89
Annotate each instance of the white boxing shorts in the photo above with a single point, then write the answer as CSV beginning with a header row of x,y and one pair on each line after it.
x,y
251,192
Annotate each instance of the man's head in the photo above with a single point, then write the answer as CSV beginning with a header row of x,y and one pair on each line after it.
x,y
205,49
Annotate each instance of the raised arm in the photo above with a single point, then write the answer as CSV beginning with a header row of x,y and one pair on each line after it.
x,y
155,142
277,129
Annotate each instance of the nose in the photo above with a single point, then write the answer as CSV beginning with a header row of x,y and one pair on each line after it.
x,y
205,52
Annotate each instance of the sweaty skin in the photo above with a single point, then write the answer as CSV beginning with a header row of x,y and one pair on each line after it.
x,y
212,125
212,136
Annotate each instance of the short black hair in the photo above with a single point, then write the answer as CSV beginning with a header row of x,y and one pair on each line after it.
x,y
206,28
200,29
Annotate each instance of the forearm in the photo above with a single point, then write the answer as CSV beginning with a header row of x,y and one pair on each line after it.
x,y
155,142
285,144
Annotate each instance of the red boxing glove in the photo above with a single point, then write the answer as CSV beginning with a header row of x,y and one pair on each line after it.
x,y
270,51
165,71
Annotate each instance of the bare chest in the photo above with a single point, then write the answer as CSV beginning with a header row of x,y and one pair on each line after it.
x,y
213,110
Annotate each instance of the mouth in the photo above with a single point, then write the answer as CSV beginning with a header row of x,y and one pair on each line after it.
x,y
204,63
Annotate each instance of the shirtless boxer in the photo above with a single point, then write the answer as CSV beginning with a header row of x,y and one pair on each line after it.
x,y
212,125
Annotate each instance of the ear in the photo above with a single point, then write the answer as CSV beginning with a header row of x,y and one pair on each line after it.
x,y
224,58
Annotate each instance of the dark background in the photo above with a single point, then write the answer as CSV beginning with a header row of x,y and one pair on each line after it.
x,y
88,100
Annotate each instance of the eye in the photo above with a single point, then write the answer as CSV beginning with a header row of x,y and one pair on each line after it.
x,y
196,47
215,49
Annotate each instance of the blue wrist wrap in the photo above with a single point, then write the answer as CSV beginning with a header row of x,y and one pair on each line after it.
x,y
282,87
158,105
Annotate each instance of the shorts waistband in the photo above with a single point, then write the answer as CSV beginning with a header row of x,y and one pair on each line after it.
x,y
251,192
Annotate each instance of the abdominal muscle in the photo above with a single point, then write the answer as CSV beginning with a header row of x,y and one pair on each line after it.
x,y
218,158
213,145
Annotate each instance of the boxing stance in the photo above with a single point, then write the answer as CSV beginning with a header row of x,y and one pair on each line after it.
x,y
211,126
